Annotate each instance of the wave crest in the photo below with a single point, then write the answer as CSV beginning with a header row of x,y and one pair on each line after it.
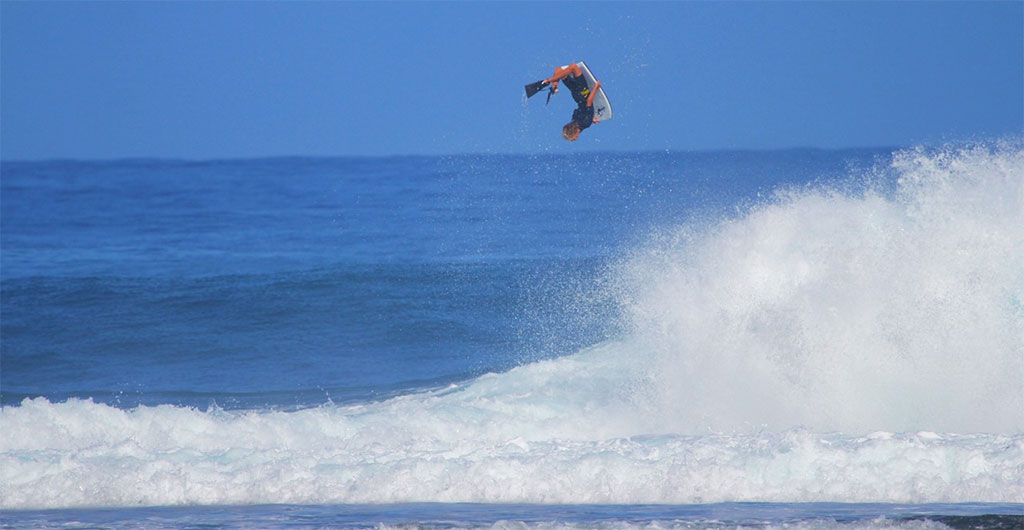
x,y
844,310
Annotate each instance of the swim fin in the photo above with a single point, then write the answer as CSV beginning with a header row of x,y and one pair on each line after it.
x,y
533,88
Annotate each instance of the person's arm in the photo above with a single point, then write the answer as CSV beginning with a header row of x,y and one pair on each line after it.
x,y
590,98
562,72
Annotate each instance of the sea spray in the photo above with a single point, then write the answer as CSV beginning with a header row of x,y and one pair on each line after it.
x,y
843,311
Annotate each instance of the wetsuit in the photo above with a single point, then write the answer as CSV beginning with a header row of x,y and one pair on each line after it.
x,y
584,114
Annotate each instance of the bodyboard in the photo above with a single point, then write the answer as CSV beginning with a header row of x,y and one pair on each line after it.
x,y
602,108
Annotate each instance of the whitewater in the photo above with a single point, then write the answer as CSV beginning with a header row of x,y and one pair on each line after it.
x,y
859,340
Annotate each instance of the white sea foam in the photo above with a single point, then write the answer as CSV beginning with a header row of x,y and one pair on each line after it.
x,y
895,318
420,448
841,311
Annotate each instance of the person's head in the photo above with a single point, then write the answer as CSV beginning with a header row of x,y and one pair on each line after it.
x,y
571,131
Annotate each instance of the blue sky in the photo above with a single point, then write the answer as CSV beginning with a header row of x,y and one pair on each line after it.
x,y
252,79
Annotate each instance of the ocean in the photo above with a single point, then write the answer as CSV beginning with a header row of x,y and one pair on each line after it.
x,y
800,339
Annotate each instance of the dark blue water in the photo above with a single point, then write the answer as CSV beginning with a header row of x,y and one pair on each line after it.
x,y
295,281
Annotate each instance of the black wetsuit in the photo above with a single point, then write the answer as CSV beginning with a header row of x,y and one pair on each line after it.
x,y
584,114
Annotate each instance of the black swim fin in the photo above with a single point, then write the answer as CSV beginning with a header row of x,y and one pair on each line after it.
x,y
533,88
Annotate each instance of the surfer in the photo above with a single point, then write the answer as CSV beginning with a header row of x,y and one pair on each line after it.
x,y
572,77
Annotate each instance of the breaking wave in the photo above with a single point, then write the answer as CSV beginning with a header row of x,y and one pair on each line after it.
x,y
827,345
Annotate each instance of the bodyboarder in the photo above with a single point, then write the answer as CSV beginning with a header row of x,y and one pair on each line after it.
x,y
572,77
